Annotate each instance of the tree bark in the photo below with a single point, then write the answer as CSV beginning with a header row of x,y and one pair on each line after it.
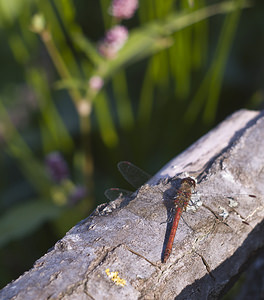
x,y
213,244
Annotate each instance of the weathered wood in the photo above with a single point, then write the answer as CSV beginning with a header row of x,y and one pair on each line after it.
x,y
128,236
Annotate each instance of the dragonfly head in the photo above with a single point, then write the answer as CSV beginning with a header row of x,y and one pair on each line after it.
x,y
189,182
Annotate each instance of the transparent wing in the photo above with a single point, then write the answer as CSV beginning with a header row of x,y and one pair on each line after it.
x,y
231,197
114,193
134,175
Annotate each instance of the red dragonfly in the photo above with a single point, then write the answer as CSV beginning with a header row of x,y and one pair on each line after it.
x,y
181,200
137,177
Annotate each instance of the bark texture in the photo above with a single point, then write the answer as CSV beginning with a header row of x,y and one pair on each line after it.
x,y
212,245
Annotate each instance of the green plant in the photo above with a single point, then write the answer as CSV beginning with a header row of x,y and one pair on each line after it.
x,y
98,107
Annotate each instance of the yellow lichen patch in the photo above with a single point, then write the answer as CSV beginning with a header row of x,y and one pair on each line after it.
x,y
115,278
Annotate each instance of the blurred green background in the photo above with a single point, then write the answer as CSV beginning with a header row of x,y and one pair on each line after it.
x,y
185,66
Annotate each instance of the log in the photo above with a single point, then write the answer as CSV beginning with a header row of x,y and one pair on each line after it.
x,y
116,252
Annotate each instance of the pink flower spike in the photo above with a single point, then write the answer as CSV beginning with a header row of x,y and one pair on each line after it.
x,y
123,9
96,83
114,40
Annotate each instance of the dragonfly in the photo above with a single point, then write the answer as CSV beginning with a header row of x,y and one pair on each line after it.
x,y
180,199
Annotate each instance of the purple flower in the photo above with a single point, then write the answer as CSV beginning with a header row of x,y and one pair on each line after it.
x,y
123,9
114,40
56,167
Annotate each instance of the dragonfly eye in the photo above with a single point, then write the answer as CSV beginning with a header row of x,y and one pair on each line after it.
x,y
190,181
193,183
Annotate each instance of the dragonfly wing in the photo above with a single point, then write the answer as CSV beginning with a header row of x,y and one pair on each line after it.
x,y
134,175
114,193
